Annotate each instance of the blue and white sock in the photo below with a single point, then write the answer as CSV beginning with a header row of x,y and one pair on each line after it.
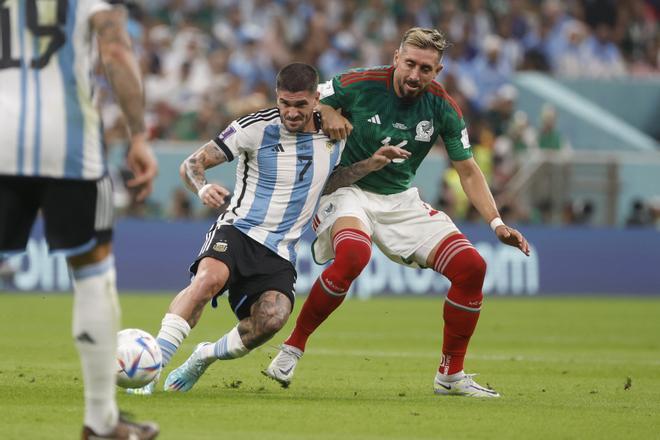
x,y
174,329
230,346
95,325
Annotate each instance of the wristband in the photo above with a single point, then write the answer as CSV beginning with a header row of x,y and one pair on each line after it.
x,y
203,191
495,223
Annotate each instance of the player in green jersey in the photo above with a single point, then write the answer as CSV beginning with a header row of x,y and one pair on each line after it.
x,y
399,105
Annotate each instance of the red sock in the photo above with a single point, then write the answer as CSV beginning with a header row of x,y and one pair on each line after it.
x,y
352,254
459,261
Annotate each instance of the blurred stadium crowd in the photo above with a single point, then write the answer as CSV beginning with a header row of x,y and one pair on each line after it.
x,y
208,61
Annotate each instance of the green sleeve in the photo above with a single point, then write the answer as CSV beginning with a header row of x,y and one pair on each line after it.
x,y
333,94
455,136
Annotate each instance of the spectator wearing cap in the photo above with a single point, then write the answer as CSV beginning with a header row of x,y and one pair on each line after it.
x,y
573,62
555,20
490,72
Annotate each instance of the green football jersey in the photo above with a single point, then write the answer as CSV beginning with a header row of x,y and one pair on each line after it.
x,y
367,98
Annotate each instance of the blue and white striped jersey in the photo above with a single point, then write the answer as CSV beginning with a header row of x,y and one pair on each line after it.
x,y
50,124
279,179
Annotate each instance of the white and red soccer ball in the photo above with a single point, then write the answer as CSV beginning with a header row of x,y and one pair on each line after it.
x,y
139,358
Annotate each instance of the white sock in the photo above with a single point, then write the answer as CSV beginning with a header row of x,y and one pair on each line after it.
x,y
450,377
230,346
174,329
95,326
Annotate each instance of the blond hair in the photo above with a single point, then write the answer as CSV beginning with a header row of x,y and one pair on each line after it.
x,y
425,38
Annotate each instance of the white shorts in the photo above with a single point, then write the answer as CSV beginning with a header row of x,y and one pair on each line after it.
x,y
403,227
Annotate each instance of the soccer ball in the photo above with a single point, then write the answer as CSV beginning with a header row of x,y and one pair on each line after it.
x,y
139,359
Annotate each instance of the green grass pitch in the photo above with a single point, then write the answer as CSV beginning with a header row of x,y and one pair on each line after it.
x,y
567,368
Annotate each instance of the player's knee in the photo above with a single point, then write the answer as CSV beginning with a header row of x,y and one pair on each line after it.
x,y
272,325
268,324
472,271
269,314
352,264
358,263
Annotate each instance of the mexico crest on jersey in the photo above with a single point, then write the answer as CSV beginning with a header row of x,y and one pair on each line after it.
x,y
424,131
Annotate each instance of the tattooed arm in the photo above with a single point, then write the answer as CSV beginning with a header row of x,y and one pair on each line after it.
x,y
123,74
192,173
120,65
345,176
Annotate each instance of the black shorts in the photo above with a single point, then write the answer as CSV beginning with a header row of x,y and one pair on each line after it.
x,y
253,268
78,214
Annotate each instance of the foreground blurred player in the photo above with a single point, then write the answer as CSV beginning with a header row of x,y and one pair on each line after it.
x,y
284,161
52,159
400,105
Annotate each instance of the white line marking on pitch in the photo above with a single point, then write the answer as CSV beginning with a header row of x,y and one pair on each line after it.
x,y
487,357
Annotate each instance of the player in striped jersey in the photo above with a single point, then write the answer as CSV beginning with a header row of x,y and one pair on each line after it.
x,y
284,163
52,159
402,105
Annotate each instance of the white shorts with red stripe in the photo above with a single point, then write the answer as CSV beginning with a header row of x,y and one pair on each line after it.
x,y
402,226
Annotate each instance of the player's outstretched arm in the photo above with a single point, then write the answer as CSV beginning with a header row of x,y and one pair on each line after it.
x,y
348,175
123,73
475,187
333,124
192,173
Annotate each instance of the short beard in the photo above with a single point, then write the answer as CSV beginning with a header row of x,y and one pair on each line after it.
x,y
303,123
412,95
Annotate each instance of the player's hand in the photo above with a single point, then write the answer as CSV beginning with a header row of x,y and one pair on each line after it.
x,y
512,237
333,124
213,195
386,155
142,163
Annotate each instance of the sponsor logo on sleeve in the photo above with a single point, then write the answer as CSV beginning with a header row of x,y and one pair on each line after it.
x,y
465,140
228,132
326,89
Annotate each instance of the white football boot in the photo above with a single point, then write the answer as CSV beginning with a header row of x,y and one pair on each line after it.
x,y
465,386
187,374
283,365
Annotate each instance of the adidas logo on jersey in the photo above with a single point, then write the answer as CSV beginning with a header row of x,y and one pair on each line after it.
x,y
374,119
278,148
